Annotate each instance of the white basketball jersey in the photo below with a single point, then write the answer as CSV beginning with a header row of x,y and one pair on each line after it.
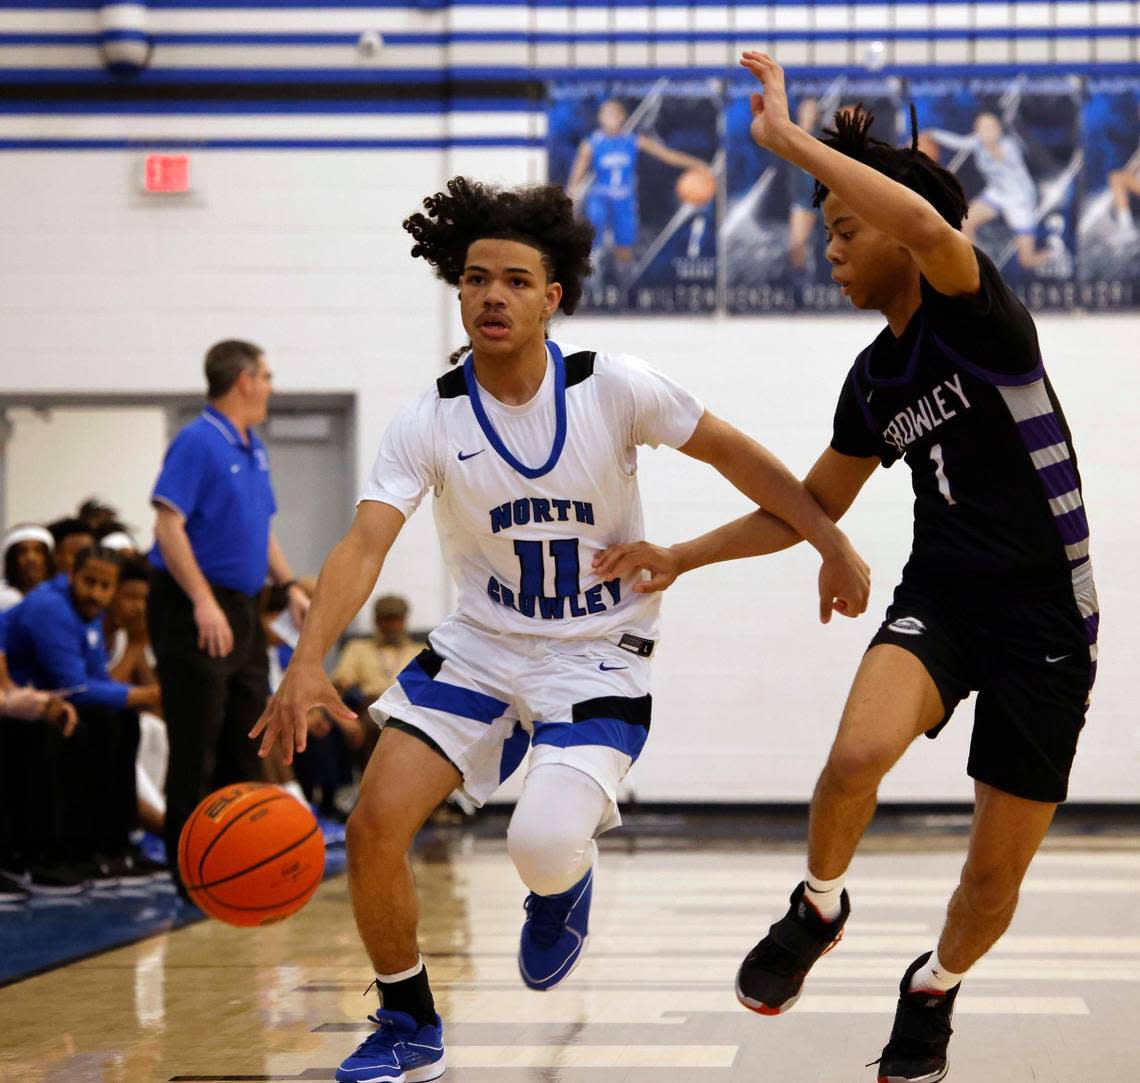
x,y
526,495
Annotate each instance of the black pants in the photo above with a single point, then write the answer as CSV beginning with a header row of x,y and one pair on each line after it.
x,y
69,798
210,704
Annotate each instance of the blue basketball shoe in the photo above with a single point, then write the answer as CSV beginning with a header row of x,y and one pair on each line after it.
x,y
397,1051
555,934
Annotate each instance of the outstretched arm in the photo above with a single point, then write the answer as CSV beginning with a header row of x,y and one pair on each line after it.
x,y
579,169
833,482
944,256
668,155
346,580
950,139
844,579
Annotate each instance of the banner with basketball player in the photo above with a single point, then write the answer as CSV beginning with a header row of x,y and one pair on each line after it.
x,y
641,160
772,237
1015,145
1108,240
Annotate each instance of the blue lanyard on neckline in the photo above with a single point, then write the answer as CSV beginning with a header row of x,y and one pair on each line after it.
x,y
502,450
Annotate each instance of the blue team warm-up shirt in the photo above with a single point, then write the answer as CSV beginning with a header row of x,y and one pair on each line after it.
x,y
221,487
50,646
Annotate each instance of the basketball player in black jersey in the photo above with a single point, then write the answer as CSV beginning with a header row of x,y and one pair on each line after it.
x,y
997,596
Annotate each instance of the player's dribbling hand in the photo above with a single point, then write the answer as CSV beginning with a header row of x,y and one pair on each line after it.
x,y
770,115
285,719
629,560
844,584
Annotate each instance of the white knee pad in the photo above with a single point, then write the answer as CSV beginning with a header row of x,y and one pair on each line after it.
x,y
551,835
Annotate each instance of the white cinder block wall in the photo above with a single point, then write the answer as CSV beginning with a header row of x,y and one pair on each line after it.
x,y
303,252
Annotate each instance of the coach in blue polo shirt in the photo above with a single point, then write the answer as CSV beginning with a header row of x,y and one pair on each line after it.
x,y
214,550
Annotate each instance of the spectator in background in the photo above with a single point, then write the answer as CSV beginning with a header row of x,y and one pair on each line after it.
x,y
368,667
20,710
213,551
27,559
131,659
70,535
55,642
115,536
96,515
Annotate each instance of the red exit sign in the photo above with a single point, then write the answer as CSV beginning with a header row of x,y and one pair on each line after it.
x,y
164,174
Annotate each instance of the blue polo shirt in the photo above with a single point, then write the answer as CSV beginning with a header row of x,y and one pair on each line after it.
x,y
50,646
220,485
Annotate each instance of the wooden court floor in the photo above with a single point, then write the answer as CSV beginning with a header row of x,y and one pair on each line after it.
x,y
1056,1002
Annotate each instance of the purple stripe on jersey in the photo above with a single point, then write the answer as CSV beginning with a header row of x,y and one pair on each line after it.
x,y
1059,478
1073,526
1092,628
1092,675
1078,563
1039,432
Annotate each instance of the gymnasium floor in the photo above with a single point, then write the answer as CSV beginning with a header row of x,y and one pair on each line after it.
x,y
674,910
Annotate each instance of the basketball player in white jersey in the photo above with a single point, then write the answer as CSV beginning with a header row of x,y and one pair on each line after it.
x,y
530,450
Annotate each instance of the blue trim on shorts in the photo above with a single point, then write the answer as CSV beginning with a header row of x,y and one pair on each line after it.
x,y
608,732
515,748
425,691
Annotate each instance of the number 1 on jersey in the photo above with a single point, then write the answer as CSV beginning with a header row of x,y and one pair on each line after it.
x,y
940,474
532,567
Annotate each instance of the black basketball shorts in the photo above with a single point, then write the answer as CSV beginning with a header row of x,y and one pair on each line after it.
x,y
1032,661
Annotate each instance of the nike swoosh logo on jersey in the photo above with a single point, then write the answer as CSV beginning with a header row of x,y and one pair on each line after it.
x,y
1060,658
608,669
463,458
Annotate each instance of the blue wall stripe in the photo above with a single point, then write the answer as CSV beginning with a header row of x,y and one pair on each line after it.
x,y
191,107
590,37
451,76
488,142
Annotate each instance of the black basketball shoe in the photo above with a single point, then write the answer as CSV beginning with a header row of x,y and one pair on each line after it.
x,y
772,975
916,1052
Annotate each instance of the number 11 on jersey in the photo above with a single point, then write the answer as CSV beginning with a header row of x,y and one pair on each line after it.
x,y
940,474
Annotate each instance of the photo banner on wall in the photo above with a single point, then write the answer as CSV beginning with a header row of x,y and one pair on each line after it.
x,y
691,216
1015,145
772,237
1108,239
641,160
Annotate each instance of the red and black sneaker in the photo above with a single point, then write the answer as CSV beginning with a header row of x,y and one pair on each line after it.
x,y
916,1051
771,977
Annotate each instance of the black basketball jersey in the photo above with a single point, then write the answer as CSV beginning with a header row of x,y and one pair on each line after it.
x,y
963,397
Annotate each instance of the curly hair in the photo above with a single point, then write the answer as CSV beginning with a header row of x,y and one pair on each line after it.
x,y
907,165
540,215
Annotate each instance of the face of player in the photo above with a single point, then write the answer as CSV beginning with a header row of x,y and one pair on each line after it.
x,y
611,117
505,300
128,609
869,266
988,129
66,549
32,567
93,586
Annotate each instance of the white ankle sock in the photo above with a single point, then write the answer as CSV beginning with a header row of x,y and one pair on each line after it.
x,y
934,977
411,972
824,895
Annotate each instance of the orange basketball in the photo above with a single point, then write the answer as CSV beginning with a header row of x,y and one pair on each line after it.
x,y
251,854
696,186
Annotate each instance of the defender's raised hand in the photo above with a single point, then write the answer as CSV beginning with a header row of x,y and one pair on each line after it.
x,y
770,117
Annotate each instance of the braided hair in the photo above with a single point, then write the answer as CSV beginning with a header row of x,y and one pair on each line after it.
x,y
908,165
541,216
